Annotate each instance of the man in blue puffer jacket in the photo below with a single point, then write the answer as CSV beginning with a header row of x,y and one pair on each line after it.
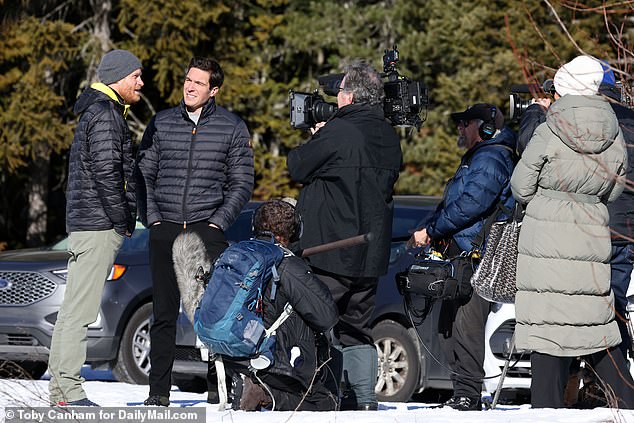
x,y
481,182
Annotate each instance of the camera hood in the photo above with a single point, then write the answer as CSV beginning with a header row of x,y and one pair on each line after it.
x,y
330,83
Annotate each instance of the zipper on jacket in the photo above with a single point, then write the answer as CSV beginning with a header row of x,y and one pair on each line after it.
x,y
189,171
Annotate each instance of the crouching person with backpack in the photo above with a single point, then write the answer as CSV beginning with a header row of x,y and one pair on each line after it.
x,y
293,380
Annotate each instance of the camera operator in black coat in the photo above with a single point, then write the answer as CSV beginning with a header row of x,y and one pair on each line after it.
x,y
291,379
349,168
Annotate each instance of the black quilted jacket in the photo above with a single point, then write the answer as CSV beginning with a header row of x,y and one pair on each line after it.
x,y
190,172
100,193
314,312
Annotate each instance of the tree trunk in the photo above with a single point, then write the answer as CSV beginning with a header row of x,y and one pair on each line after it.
x,y
38,197
100,35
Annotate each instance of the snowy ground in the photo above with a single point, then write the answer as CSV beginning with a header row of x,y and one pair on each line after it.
x,y
21,393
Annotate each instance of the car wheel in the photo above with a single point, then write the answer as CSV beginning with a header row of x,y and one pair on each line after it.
x,y
22,369
133,360
399,364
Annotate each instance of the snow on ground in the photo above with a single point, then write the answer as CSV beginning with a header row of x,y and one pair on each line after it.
x,y
23,393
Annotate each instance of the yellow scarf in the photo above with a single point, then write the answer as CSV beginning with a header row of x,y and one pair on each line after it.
x,y
110,93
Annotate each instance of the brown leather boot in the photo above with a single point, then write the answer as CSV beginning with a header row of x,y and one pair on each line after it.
x,y
253,396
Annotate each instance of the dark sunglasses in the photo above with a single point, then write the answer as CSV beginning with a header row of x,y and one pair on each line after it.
x,y
464,123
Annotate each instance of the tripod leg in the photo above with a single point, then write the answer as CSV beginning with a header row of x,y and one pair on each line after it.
x,y
503,375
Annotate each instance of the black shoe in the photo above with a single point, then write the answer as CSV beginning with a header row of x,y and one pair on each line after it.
x,y
464,404
157,400
235,394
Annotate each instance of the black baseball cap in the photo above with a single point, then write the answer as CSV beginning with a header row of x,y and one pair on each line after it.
x,y
480,111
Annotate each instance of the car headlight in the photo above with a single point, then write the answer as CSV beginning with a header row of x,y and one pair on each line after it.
x,y
62,273
115,273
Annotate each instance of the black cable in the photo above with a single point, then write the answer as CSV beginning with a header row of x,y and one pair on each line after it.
x,y
409,310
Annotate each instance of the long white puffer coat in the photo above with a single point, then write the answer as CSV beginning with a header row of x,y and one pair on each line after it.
x,y
567,174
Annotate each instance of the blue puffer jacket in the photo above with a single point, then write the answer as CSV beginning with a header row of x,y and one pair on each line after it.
x,y
481,181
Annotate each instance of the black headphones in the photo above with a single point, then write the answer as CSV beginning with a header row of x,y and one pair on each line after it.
x,y
298,223
487,128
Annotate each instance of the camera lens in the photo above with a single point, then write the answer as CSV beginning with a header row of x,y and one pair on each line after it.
x,y
322,111
517,106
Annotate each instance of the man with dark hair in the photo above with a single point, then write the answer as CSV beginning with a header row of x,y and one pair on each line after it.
x,y
481,182
100,211
349,168
195,173
294,380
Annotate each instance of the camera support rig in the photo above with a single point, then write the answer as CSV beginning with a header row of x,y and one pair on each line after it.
x,y
404,102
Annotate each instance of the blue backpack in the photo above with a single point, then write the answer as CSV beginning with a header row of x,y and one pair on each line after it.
x,y
229,318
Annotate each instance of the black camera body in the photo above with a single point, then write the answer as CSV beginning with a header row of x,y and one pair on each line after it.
x,y
517,105
308,109
404,101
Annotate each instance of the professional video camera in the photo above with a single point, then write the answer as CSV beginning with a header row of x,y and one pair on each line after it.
x,y
404,102
517,105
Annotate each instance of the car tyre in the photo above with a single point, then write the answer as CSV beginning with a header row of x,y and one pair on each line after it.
x,y
399,364
22,369
133,359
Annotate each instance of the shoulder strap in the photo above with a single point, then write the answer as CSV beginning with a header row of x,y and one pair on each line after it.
x,y
479,239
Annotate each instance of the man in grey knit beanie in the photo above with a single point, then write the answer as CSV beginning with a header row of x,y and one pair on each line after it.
x,y
116,65
100,213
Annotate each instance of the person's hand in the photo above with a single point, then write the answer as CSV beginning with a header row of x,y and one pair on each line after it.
x,y
543,101
419,239
317,127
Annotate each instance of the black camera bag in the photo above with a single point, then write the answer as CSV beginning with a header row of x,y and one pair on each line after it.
x,y
438,279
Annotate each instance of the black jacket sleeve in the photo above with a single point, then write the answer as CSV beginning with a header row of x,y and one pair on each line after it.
x,y
106,139
146,170
240,179
534,116
309,297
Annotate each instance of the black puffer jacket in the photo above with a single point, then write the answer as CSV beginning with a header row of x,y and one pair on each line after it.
x,y
100,193
348,169
622,210
314,312
194,172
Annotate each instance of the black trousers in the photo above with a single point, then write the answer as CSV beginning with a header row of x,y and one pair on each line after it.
x,y
550,375
290,395
166,296
288,392
461,331
355,299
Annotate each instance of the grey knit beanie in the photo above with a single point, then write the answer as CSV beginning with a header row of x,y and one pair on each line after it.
x,y
116,65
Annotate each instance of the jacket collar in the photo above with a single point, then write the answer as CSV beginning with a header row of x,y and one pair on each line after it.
x,y
103,88
208,109
505,138
355,108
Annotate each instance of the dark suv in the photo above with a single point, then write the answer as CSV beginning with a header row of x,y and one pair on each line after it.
x,y
32,286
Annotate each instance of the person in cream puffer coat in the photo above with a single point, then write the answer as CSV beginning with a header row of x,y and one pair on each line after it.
x,y
567,174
